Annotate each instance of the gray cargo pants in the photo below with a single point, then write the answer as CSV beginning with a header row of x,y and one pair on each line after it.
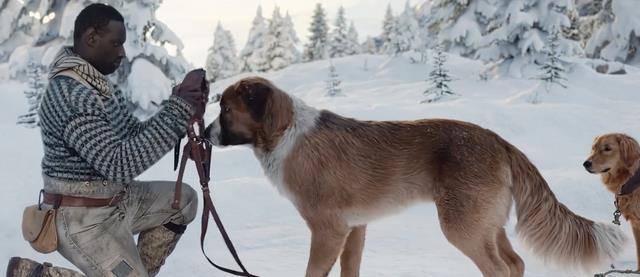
x,y
99,241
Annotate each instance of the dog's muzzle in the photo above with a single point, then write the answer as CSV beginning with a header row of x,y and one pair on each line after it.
x,y
212,132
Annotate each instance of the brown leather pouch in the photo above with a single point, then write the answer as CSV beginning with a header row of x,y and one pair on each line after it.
x,y
39,228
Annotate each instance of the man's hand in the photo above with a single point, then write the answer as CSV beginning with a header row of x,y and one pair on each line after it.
x,y
195,90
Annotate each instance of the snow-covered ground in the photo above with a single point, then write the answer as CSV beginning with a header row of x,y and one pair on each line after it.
x,y
273,240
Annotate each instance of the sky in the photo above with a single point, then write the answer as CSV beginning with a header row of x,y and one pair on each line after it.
x,y
194,21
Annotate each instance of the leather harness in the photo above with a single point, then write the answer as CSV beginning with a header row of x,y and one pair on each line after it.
x,y
199,150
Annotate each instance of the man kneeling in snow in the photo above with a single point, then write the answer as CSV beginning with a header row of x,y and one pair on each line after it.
x,y
94,148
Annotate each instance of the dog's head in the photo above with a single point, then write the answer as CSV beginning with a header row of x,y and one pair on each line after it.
x,y
612,152
252,111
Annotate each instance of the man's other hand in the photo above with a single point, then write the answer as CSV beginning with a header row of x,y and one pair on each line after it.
x,y
195,90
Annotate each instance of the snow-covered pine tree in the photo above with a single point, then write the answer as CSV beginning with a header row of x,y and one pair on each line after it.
x,y
408,30
591,15
353,46
459,25
618,36
249,57
316,49
20,22
524,26
394,46
552,70
221,58
279,46
427,35
289,22
333,82
291,31
37,84
338,40
439,78
388,27
591,7
146,74
573,31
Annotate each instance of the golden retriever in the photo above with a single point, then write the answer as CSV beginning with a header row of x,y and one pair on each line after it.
x,y
616,157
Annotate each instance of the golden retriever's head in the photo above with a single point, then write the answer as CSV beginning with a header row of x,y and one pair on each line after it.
x,y
612,152
251,110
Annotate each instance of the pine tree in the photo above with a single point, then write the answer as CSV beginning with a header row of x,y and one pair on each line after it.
x,y
290,30
618,36
338,40
333,82
459,25
315,49
149,43
353,46
388,27
36,86
250,58
394,45
552,70
19,25
439,78
407,28
279,46
424,17
289,22
221,59
523,28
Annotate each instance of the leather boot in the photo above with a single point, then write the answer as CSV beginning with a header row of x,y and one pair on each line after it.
x,y
22,267
155,245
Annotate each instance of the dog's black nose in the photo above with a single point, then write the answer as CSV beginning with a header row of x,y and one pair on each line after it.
x,y
587,164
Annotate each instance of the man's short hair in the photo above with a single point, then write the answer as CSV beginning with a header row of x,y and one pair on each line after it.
x,y
96,15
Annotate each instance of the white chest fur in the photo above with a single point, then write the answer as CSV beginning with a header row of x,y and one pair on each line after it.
x,y
304,119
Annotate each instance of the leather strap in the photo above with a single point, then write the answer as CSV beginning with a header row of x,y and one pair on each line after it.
x,y
75,201
195,150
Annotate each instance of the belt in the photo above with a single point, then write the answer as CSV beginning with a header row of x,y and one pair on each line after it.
x,y
75,201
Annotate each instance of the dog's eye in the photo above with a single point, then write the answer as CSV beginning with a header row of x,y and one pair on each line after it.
x,y
227,109
607,148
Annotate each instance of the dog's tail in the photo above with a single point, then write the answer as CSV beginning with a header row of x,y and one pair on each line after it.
x,y
550,229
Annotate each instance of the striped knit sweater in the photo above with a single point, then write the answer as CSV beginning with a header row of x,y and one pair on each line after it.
x,y
87,136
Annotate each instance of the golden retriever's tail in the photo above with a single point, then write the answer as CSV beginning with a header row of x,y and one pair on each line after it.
x,y
551,229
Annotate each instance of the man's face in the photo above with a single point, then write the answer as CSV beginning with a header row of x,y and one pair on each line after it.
x,y
106,47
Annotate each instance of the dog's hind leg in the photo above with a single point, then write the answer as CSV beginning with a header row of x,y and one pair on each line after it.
x,y
481,249
327,241
515,263
472,224
352,253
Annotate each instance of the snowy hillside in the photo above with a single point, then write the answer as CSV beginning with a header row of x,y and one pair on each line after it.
x,y
273,240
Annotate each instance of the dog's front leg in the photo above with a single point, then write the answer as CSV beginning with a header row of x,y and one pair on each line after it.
x,y
635,226
326,245
352,254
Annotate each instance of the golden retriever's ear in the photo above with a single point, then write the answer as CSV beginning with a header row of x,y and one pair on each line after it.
x,y
629,150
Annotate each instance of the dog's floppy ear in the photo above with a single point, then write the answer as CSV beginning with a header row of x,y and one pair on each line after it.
x,y
255,95
629,150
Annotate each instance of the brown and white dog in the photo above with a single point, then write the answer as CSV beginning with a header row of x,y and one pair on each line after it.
x,y
616,157
341,173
